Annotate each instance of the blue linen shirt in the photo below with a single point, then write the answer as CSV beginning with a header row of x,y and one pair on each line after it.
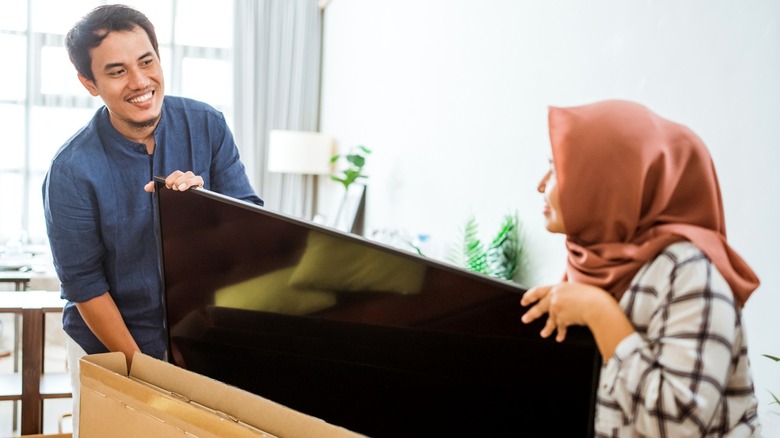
x,y
102,224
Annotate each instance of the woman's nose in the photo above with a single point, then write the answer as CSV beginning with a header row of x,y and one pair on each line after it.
x,y
543,183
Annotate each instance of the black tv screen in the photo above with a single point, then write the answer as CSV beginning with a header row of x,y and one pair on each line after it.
x,y
378,340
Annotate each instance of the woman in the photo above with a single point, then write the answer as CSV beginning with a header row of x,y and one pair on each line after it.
x,y
649,272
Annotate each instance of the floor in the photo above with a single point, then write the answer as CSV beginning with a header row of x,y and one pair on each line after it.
x,y
55,411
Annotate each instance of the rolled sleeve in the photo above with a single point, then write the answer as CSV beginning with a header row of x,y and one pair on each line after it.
x,y
74,235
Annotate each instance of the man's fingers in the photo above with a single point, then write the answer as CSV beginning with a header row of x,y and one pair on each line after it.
x,y
181,181
171,180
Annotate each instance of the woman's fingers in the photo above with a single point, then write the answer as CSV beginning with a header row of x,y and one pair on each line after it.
x,y
532,314
540,298
533,295
561,333
536,295
549,328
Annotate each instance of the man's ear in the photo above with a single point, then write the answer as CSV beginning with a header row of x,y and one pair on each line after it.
x,y
89,85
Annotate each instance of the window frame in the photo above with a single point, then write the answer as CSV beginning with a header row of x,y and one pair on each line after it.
x,y
30,221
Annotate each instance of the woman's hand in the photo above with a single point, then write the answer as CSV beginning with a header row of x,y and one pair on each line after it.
x,y
565,303
579,304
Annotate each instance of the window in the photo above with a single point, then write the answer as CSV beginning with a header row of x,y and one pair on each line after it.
x,y
42,103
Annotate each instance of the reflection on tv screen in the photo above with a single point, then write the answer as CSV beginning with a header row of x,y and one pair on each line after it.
x,y
375,339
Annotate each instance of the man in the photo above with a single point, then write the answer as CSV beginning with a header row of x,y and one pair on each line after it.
x,y
98,195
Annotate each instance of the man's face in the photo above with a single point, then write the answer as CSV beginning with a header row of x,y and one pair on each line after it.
x,y
129,79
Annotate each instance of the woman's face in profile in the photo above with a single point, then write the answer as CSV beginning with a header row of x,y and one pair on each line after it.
x,y
548,186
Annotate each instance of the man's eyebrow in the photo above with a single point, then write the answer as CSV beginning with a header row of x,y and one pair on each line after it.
x,y
113,65
120,64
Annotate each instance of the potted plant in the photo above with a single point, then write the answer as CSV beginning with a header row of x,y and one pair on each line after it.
x,y
356,160
502,258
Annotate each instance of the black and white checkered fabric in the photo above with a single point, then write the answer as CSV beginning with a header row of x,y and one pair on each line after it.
x,y
685,372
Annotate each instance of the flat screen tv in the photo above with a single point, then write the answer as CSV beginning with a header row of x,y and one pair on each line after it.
x,y
376,339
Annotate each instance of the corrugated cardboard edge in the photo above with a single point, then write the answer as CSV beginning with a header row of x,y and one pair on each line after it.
x,y
200,394
48,435
113,403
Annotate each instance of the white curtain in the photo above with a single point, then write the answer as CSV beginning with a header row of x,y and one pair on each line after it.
x,y
277,86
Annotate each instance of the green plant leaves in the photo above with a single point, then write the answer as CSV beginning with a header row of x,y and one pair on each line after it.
x,y
475,257
500,259
502,254
774,397
356,161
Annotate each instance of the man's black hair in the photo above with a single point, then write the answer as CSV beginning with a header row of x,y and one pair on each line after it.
x,y
91,30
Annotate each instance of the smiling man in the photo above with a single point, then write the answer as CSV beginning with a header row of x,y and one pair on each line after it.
x,y
98,196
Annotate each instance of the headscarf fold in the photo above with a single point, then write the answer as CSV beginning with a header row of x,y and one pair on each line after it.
x,y
631,183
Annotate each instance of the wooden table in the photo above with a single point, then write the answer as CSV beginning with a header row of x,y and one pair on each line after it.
x,y
32,387
20,279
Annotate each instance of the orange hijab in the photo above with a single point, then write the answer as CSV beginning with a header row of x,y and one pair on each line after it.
x,y
631,183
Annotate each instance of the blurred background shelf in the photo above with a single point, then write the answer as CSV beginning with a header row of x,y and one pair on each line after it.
x,y
36,372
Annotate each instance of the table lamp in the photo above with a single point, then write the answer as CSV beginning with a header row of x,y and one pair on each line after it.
x,y
301,153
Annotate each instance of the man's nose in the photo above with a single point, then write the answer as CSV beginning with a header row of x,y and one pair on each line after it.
x,y
138,80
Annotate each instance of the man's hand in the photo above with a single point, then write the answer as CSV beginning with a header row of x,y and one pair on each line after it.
x,y
103,318
178,180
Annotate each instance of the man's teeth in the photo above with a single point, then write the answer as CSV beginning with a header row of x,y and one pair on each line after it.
x,y
143,98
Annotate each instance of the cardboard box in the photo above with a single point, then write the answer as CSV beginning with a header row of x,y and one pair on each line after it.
x,y
56,435
158,399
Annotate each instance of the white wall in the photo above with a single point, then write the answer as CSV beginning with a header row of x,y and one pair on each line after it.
x,y
451,95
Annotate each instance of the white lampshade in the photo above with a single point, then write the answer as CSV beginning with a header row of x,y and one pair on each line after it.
x,y
306,153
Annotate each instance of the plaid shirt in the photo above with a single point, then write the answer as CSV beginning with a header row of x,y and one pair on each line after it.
x,y
685,371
